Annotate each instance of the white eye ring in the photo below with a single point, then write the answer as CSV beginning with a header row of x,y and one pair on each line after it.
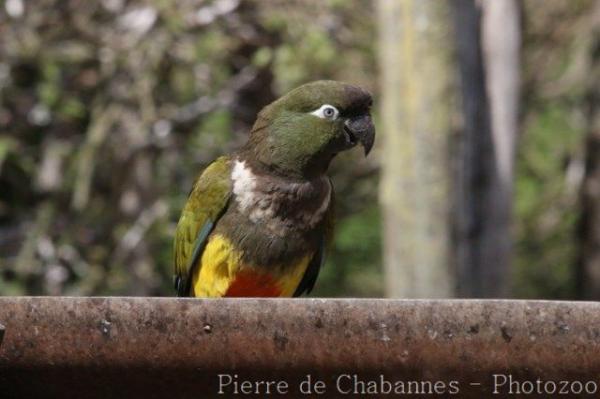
x,y
327,111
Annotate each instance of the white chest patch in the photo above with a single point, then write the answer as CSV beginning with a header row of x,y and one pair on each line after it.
x,y
244,185
263,201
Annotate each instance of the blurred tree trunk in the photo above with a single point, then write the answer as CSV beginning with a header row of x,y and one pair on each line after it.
x,y
475,154
588,273
415,48
488,43
501,42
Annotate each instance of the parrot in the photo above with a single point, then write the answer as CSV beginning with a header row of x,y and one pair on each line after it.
x,y
258,221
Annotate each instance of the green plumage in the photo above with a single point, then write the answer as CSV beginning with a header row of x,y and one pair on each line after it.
x,y
207,200
272,200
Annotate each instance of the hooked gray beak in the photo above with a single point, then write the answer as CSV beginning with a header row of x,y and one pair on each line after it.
x,y
360,129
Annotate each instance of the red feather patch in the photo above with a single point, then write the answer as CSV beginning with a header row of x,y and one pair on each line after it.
x,y
252,284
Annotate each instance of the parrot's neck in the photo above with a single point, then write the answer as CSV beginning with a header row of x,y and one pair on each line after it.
x,y
285,164
279,203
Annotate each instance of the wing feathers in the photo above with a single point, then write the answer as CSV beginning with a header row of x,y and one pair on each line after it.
x,y
206,203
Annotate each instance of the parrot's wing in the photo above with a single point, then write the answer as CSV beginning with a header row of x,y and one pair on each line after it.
x,y
206,203
312,271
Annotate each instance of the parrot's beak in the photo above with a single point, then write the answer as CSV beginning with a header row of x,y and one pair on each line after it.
x,y
360,129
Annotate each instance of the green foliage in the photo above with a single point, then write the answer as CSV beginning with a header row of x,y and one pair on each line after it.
x,y
353,268
315,46
546,206
551,149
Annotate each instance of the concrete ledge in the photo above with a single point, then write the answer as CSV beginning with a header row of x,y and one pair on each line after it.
x,y
167,347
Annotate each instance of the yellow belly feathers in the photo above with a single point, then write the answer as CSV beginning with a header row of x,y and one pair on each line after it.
x,y
222,273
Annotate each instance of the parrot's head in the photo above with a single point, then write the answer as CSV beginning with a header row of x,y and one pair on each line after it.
x,y
301,132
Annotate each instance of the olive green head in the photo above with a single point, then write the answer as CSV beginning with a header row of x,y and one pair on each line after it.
x,y
301,132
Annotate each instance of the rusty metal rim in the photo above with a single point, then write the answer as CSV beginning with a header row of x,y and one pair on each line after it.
x,y
167,347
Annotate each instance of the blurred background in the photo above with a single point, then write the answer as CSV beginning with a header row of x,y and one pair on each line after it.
x,y
485,179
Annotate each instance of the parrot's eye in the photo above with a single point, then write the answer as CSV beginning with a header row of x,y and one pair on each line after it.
x,y
327,111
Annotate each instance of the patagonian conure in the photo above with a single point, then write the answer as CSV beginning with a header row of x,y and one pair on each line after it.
x,y
258,221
